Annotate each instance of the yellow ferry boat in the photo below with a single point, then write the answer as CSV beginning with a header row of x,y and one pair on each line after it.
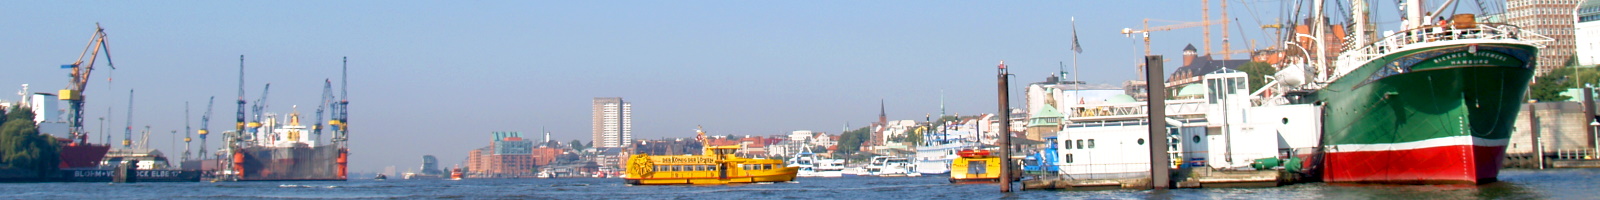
x,y
718,165
975,166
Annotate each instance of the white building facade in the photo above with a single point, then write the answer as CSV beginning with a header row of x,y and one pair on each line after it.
x,y
1587,29
612,122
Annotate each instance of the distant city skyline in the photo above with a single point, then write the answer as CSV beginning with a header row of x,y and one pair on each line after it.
x,y
434,77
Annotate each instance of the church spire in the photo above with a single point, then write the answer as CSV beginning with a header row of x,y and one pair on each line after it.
x,y
883,117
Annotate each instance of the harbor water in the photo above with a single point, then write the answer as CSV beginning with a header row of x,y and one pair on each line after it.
x,y
1514,184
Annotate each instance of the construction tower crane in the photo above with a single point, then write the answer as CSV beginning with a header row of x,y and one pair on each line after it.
x,y
1128,32
327,99
127,134
1205,23
205,122
73,94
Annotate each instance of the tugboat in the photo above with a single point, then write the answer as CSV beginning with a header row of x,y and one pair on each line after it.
x,y
975,165
455,174
718,165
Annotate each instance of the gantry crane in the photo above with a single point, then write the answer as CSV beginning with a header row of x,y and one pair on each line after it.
x,y
73,94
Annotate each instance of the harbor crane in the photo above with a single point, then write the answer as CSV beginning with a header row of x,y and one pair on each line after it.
x,y
73,94
205,123
186,128
327,99
257,109
127,134
233,139
341,116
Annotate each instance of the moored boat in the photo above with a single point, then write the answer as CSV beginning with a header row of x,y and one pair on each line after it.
x,y
975,165
716,165
1431,104
149,166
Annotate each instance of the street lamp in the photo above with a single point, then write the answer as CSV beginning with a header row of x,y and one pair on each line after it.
x,y
1595,125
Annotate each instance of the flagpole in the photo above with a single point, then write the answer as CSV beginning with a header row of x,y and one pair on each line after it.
x,y
1075,51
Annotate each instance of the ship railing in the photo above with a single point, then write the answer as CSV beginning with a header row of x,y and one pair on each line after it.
x,y
1575,154
1098,112
1398,41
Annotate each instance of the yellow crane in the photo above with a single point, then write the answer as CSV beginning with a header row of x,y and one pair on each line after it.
x,y
73,94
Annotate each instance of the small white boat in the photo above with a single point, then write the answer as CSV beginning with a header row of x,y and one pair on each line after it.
x,y
892,166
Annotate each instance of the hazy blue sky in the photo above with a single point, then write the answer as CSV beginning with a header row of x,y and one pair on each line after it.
x,y
435,78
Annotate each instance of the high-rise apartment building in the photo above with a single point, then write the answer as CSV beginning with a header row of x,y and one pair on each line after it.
x,y
613,122
1553,18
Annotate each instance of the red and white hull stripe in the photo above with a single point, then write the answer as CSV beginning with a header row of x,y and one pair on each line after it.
x,y
1445,160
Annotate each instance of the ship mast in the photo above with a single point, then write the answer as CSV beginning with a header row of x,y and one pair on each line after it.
x,y
1317,29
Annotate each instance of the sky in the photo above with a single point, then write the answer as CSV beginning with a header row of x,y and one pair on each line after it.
x,y
436,77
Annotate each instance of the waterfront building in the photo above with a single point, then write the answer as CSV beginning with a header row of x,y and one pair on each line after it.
x,y
1195,65
1587,33
1552,18
508,155
612,122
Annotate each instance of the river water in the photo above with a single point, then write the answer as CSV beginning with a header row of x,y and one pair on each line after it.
x,y
1515,184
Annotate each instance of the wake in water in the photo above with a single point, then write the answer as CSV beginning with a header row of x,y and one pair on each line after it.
x,y
306,186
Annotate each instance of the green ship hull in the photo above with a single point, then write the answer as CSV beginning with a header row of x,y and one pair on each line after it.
x,y
1438,114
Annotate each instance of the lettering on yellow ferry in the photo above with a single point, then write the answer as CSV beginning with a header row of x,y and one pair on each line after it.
x,y
687,160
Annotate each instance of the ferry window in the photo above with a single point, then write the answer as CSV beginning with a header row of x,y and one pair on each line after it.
x,y
1231,86
661,168
1211,84
1080,144
1141,141
1091,143
1196,139
1068,158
